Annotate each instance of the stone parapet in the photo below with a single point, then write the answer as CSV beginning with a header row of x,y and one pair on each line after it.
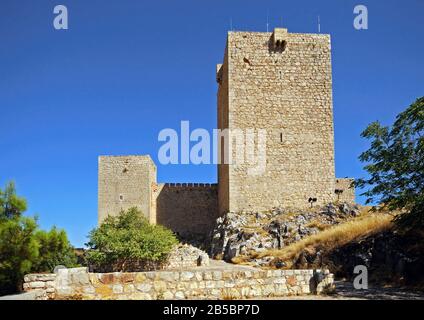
x,y
200,283
42,282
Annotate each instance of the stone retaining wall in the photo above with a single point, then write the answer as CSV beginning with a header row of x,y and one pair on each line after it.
x,y
41,282
186,256
194,284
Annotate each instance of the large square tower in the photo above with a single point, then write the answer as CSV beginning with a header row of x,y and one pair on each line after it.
x,y
280,82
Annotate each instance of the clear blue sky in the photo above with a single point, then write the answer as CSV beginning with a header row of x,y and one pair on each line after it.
x,y
127,69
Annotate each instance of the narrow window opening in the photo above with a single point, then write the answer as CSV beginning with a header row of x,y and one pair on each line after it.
x,y
312,201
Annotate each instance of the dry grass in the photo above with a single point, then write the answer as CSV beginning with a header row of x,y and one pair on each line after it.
x,y
329,239
240,259
257,229
316,224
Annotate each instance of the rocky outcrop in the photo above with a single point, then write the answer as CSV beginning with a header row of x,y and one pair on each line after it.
x,y
389,256
240,233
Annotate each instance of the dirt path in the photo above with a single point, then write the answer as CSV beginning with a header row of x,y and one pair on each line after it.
x,y
345,291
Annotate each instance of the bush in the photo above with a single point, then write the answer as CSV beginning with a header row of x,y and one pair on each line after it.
x,y
128,242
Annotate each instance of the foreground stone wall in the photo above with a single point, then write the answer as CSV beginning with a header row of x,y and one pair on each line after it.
x,y
194,284
44,284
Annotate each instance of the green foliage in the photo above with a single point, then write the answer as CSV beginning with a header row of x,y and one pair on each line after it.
x,y
395,164
128,242
23,247
18,251
11,205
54,249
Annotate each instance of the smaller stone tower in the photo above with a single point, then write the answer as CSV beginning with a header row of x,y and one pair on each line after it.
x,y
125,182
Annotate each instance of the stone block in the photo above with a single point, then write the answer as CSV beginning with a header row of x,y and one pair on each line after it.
x,y
168,295
198,275
179,295
140,277
280,280
186,275
217,275
168,276
89,290
127,277
129,288
159,285
117,288
37,284
207,275
144,287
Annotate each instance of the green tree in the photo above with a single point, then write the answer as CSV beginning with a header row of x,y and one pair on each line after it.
x,y
128,242
11,205
395,164
23,247
18,251
54,249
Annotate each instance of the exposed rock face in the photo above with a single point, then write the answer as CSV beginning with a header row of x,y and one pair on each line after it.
x,y
388,256
240,233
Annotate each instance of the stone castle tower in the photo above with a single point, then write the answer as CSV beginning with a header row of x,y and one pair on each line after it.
x,y
277,81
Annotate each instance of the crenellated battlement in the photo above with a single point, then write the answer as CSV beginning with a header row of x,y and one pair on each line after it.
x,y
191,185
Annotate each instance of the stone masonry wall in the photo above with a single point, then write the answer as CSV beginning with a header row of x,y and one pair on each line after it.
x,y
203,284
186,256
222,122
189,209
125,182
287,91
41,282
277,81
347,190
